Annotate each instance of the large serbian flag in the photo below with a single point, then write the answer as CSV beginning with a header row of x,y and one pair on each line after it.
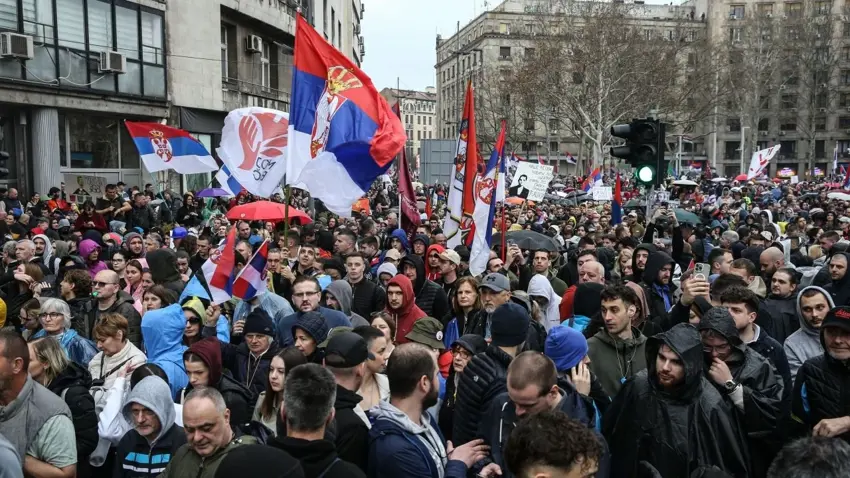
x,y
163,147
342,132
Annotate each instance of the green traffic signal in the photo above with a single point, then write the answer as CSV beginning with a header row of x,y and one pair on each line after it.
x,y
646,174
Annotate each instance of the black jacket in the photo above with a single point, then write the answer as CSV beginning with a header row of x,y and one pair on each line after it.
x,y
74,382
244,368
237,398
778,317
821,391
476,323
367,297
429,295
163,266
318,458
483,379
142,217
123,305
658,310
762,389
352,434
500,420
138,446
679,430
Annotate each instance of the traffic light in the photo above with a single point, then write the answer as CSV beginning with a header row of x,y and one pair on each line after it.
x,y
644,148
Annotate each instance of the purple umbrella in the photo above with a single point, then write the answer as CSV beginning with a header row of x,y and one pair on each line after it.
x,y
212,193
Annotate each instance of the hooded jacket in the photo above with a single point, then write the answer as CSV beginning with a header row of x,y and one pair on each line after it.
x,y
659,310
762,392
163,266
244,367
399,448
615,360
318,458
637,274
136,457
778,316
484,377
342,292
501,419
86,247
678,430
821,391
430,297
236,396
840,289
409,311
125,246
352,433
541,287
163,333
46,257
804,343
432,275
124,306
74,382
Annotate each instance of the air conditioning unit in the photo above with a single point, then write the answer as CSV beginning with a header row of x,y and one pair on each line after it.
x,y
112,62
254,44
732,16
15,45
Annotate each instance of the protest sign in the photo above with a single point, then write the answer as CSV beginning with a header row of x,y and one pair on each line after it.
x,y
530,181
602,193
83,187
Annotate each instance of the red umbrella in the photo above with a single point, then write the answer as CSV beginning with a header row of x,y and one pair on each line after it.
x,y
741,177
777,180
267,211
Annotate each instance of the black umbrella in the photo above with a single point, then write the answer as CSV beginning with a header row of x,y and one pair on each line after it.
x,y
529,240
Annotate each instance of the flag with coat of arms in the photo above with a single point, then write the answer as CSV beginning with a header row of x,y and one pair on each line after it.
x,y
163,147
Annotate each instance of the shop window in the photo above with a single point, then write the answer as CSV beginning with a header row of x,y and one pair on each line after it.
x,y
130,155
93,142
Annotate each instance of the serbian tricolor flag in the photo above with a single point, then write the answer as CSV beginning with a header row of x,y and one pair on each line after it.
x,y
617,203
846,183
342,132
571,159
591,180
219,270
251,281
163,147
485,206
461,201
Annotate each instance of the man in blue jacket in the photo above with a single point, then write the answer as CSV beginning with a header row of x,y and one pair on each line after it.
x,y
306,294
404,440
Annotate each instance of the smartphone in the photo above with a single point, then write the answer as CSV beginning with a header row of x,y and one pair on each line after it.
x,y
702,269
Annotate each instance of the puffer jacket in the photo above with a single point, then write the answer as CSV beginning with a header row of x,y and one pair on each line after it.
x,y
614,360
124,306
484,377
822,391
72,384
430,297
367,298
804,343
778,317
409,311
680,430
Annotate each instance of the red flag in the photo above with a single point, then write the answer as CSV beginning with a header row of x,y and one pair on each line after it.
x,y
409,219
428,206
539,159
556,165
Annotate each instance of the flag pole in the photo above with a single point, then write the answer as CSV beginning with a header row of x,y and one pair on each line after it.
x,y
287,196
398,158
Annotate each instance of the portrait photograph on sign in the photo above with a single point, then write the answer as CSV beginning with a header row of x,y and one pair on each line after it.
x,y
530,181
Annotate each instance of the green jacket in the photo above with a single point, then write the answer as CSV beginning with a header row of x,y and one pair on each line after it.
x,y
187,464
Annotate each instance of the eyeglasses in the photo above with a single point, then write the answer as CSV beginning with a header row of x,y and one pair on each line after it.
x,y
716,348
462,352
102,284
304,295
52,315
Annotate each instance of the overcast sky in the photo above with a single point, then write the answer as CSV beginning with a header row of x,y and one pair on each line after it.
x,y
401,37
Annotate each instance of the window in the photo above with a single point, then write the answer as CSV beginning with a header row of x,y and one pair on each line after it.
x,y
736,12
820,148
732,149
845,53
529,52
70,23
265,66
152,38
820,123
529,124
554,124
505,28
418,135
788,149
333,25
733,125
794,10
844,122
764,102
418,119
504,53
821,100
788,124
845,30
764,124
429,120
789,101
845,77
822,7
844,100
100,26
735,35
765,9
224,63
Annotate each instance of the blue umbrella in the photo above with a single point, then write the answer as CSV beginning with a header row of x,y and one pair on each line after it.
x,y
212,193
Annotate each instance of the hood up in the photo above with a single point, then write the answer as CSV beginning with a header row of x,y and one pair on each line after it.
x,y
154,394
73,374
685,341
407,292
342,292
417,262
541,287
209,351
163,266
657,260
48,247
402,236
86,247
636,273
434,247
162,331
803,324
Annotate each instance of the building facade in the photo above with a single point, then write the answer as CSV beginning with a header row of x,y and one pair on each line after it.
x,y
418,115
71,71
498,40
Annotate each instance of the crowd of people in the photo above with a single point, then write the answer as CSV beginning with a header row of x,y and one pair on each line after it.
x,y
706,335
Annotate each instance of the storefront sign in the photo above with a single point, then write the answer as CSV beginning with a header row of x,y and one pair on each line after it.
x,y
82,187
786,173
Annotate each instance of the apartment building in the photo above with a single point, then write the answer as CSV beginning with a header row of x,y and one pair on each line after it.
x,y
418,115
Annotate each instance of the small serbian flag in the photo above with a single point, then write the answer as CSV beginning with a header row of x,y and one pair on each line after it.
x,y
163,147
571,159
593,179
342,132
846,183
219,270
252,280
617,203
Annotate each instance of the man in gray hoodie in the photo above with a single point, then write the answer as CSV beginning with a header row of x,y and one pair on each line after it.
x,y
338,297
148,447
813,303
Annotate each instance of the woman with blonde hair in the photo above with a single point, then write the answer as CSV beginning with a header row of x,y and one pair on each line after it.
x,y
116,352
55,318
50,367
624,263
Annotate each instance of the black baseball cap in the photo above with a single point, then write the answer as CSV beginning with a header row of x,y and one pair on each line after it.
x,y
346,350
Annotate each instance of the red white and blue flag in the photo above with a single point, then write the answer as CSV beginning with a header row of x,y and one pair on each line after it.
x,y
571,159
163,147
846,183
461,199
251,281
219,270
342,132
617,203
486,196
593,179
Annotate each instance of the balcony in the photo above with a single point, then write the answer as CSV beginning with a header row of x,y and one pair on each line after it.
x,y
237,94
